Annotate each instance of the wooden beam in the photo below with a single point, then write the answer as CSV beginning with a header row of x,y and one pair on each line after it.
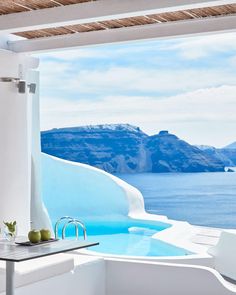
x,y
95,11
156,31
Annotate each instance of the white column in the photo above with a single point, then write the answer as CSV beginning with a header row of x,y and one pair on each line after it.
x,y
39,214
15,144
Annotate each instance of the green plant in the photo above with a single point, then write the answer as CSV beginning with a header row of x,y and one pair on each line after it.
x,y
11,226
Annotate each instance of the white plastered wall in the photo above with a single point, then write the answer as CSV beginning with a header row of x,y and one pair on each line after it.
x,y
15,141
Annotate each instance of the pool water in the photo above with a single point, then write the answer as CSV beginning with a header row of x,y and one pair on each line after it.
x,y
129,237
135,245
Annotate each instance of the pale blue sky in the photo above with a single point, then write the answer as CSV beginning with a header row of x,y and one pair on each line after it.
x,y
187,86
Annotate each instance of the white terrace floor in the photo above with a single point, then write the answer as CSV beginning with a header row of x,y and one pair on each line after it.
x,y
206,236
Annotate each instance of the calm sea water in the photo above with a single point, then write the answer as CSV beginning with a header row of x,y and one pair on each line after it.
x,y
200,198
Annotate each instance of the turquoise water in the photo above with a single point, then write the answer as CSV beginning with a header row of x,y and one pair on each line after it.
x,y
129,237
201,198
207,199
135,244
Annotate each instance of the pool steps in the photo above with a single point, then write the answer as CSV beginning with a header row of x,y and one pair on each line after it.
x,y
68,221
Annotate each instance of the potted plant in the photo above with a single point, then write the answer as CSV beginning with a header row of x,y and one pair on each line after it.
x,y
10,231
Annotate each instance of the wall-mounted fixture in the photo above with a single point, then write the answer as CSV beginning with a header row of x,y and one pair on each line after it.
x,y
21,84
32,87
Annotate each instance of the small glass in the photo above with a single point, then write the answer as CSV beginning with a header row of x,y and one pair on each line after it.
x,y
10,231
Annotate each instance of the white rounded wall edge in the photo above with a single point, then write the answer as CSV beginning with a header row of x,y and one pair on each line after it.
x,y
15,146
134,199
138,278
133,195
102,195
96,192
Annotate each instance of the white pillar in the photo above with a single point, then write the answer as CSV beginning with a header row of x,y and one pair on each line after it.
x,y
39,214
15,143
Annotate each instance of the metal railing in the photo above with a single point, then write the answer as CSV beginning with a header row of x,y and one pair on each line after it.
x,y
70,220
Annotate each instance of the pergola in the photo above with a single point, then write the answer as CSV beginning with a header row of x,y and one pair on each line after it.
x,y
28,26
57,24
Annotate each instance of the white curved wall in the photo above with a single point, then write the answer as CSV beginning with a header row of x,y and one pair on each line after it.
x,y
138,278
90,192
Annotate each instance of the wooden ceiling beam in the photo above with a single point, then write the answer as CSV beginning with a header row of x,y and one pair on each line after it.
x,y
193,27
94,11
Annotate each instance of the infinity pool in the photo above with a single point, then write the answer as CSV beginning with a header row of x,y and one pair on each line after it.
x,y
129,237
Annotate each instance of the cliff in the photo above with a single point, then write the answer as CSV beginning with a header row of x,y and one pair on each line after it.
x,y
123,148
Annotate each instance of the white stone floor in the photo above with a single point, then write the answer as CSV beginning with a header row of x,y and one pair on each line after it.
x,y
206,236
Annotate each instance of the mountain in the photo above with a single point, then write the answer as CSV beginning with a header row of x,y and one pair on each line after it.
x,y
123,148
231,146
114,148
171,154
226,155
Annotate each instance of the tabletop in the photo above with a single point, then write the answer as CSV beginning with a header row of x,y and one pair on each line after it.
x,y
18,253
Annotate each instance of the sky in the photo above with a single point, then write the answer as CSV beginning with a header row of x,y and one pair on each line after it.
x,y
186,86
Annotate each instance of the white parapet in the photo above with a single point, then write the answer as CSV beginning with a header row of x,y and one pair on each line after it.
x,y
138,278
89,192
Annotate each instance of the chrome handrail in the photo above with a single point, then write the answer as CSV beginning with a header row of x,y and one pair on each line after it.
x,y
58,222
76,222
65,226
83,227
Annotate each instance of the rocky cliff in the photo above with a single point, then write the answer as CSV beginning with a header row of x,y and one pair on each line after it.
x,y
226,155
123,148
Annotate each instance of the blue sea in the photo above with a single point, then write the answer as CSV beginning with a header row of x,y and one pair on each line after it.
x,y
207,199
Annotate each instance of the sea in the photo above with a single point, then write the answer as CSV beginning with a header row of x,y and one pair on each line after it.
x,y
207,199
